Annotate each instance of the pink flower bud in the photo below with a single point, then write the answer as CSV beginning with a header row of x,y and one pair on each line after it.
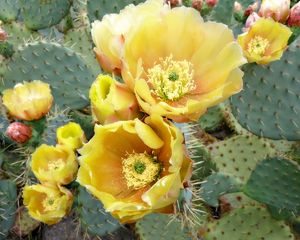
x,y
279,10
19,132
211,3
3,35
237,6
197,4
250,21
250,9
294,19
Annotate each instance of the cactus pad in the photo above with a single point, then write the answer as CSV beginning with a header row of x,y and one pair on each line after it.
x,y
212,120
248,223
269,105
9,10
40,14
275,182
62,68
160,227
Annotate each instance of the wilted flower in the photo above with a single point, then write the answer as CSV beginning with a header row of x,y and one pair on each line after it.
x,y
265,41
28,101
48,204
294,19
55,165
112,101
110,33
141,170
192,65
71,135
279,10
19,132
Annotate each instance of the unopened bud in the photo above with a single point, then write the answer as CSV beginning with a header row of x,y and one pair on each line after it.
x,y
279,10
3,35
197,4
211,3
19,132
237,6
294,19
250,9
250,21
173,3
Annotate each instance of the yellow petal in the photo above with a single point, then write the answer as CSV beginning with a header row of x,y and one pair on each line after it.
x,y
71,135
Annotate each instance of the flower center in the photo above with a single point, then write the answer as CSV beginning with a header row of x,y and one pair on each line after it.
x,y
50,204
171,79
258,45
140,169
55,165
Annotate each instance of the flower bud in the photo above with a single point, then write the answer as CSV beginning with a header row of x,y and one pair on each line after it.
x,y
19,132
279,10
211,3
237,6
250,21
3,35
197,4
250,9
294,19
173,3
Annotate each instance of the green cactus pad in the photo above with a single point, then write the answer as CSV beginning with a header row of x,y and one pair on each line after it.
x,y
9,10
93,217
8,196
248,223
212,120
98,8
269,104
275,182
240,154
160,227
65,70
85,121
216,185
40,14
223,12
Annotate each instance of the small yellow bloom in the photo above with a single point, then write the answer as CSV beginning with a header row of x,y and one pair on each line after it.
x,y
47,204
265,41
110,33
28,101
178,65
71,135
112,101
56,165
140,171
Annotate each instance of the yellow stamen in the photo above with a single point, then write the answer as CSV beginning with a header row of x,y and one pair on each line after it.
x,y
56,164
171,79
258,45
50,204
140,169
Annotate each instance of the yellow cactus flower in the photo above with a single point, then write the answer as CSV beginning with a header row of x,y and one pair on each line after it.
x,y
265,41
71,135
28,101
112,101
55,165
47,204
110,33
179,65
140,171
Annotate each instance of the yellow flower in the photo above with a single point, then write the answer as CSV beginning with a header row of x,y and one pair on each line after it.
x,y
71,135
55,165
110,33
48,204
135,168
265,41
279,10
179,65
112,101
28,101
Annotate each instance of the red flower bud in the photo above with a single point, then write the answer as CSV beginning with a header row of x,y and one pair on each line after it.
x,y
211,3
19,132
3,35
173,3
294,19
197,4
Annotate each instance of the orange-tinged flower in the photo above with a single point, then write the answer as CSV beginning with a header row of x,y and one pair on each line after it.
x,y
279,10
265,41
55,165
71,135
141,170
112,101
48,204
179,65
28,101
110,33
